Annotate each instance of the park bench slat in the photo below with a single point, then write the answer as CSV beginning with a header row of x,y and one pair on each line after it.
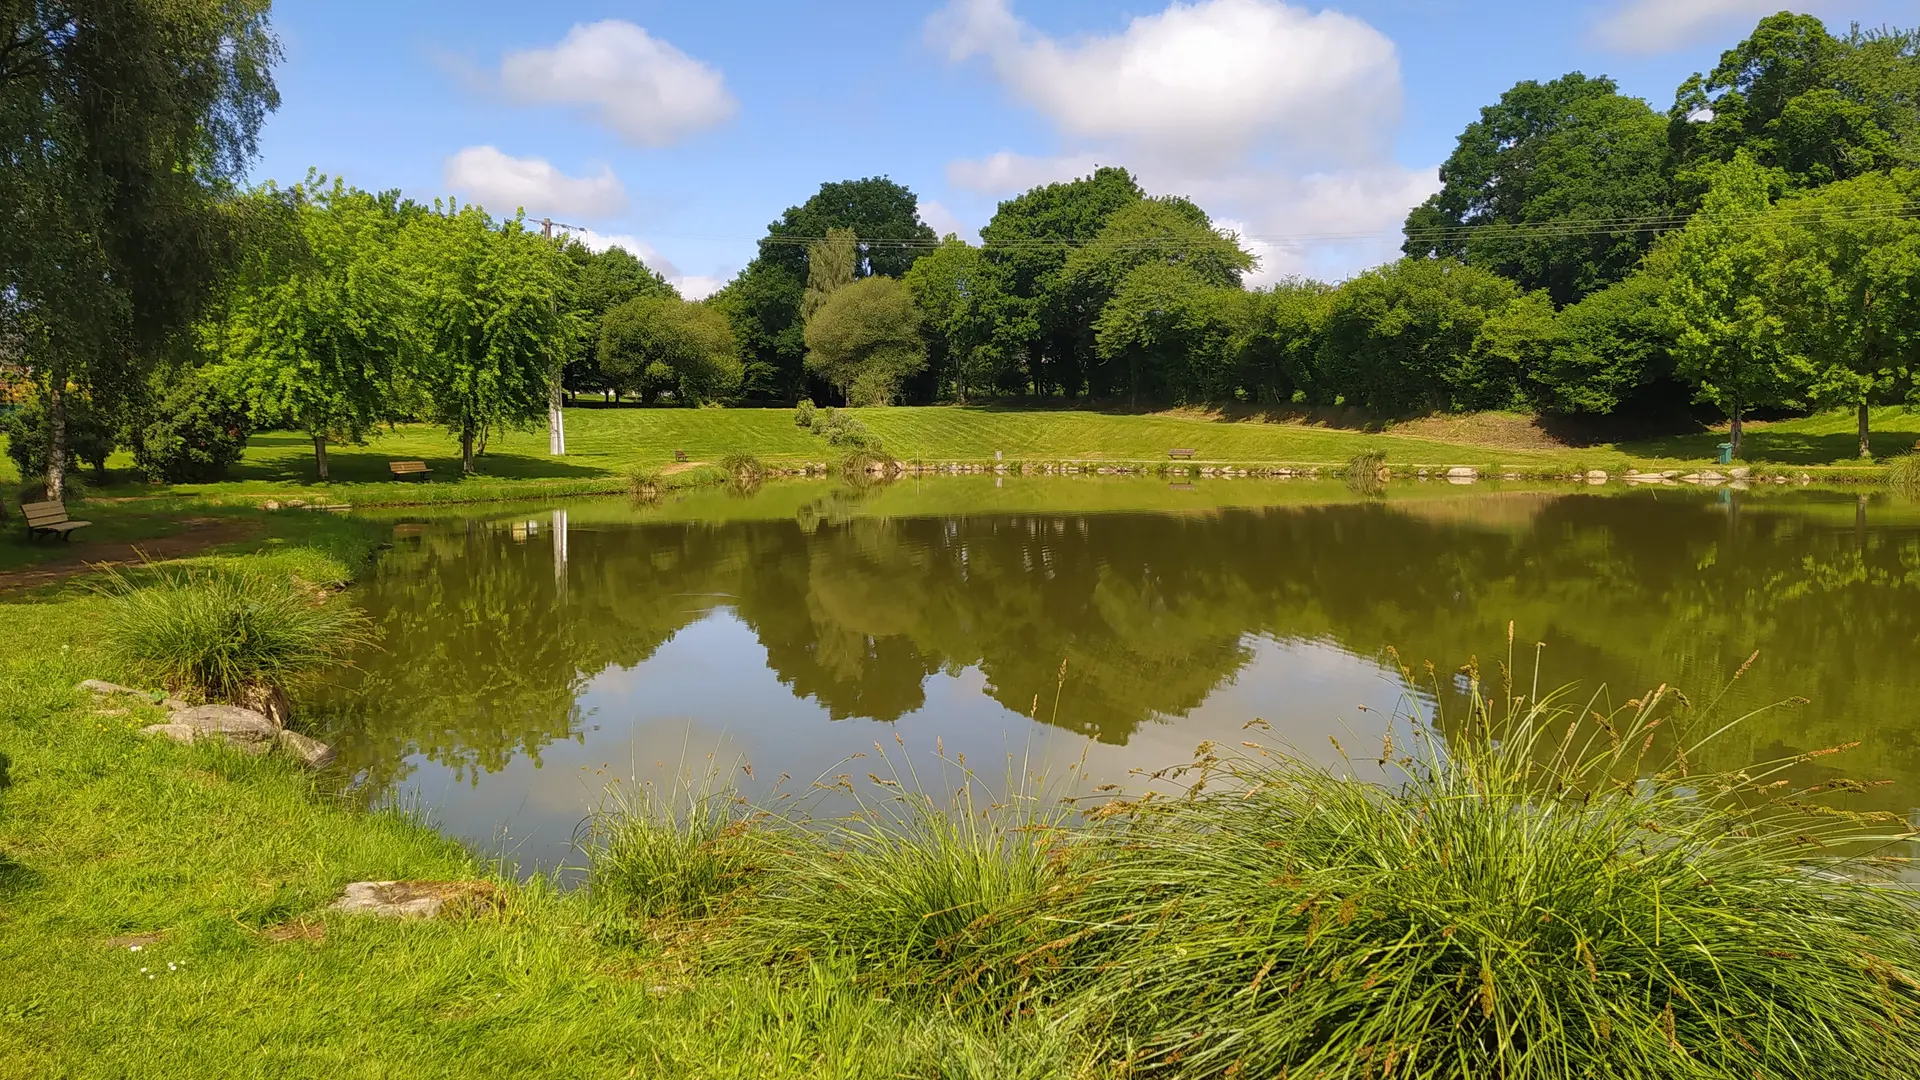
x,y
408,468
1180,453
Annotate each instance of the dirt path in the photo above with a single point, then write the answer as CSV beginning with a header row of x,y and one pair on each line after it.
x,y
196,535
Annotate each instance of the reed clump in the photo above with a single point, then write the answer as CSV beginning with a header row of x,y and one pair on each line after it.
x,y
226,635
743,467
679,851
644,482
1363,471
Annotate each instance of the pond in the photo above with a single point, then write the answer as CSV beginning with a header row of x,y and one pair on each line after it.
x,y
529,656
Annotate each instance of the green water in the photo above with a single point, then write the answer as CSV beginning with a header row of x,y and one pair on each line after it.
x,y
530,656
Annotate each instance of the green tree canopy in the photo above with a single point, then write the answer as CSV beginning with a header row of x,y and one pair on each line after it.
x,y
122,123
866,340
655,343
491,324
1279,340
952,291
315,326
762,304
1730,340
1545,158
885,216
600,281
1794,97
1404,338
1168,332
1848,284
1036,319
831,264
1609,347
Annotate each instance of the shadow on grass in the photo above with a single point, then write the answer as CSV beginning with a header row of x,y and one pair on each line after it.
x,y
1763,447
358,465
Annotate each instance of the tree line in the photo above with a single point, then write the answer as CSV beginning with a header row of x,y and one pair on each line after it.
x,y
1753,247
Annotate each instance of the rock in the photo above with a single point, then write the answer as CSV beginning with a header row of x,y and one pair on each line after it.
x,y
1464,472
418,899
1709,474
270,504
270,702
180,733
243,729
312,753
1740,472
1596,476
101,686
1690,478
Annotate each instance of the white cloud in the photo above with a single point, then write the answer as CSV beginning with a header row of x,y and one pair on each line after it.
x,y
503,183
691,286
943,221
641,87
1006,173
1276,120
1211,78
1654,26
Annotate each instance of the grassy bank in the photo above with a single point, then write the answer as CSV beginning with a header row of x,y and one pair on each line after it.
x,y
605,445
220,867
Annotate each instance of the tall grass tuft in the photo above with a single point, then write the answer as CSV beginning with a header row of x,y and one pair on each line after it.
x,y
1538,899
1903,473
914,894
643,482
682,851
1363,471
743,467
221,634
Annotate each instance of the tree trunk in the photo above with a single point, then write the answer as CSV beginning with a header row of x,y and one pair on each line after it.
x,y
320,454
57,434
1866,449
466,451
1735,439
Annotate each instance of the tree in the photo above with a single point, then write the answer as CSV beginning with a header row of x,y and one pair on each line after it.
x,y
1547,157
1170,232
1036,319
1405,337
663,342
866,340
1848,285
122,122
883,214
1170,332
1609,347
952,291
599,282
762,304
491,327
1796,98
1279,338
314,327
831,264
1729,340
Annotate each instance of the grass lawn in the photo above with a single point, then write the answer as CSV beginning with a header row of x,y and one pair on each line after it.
x,y
605,444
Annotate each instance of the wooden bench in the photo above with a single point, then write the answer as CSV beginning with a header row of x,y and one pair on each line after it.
x,y
403,469
50,517
1180,455
679,455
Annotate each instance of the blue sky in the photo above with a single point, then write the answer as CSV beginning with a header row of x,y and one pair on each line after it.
x,y
681,129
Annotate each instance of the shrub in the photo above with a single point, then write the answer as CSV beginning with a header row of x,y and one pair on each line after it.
x,y
197,433
1363,471
226,635
1550,902
842,429
803,413
89,438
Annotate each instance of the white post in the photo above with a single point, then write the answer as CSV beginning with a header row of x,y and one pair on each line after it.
x,y
560,549
556,426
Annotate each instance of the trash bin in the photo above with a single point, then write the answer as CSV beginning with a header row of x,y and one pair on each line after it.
x,y
1726,453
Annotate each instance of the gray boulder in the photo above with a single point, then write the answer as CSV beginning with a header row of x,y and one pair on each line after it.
x,y
312,753
417,899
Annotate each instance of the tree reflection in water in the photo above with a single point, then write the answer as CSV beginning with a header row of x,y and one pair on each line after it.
x,y
486,650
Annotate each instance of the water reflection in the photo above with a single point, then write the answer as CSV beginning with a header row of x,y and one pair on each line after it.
x,y
523,654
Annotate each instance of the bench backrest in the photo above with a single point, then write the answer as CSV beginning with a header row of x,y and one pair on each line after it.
x,y
1179,453
44,513
408,466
